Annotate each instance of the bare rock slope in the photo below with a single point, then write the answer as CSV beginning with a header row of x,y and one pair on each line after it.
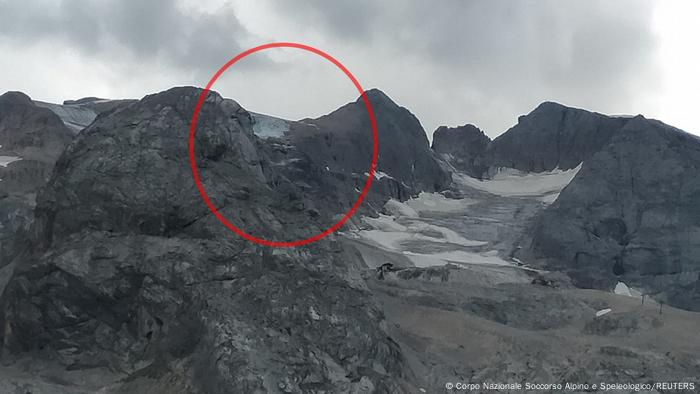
x,y
131,273
31,139
631,214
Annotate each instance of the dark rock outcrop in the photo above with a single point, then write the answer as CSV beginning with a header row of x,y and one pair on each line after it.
x,y
342,142
34,137
631,214
550,136
129,270
461,147
78,114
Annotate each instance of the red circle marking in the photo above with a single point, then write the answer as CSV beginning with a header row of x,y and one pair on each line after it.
x,y
193,129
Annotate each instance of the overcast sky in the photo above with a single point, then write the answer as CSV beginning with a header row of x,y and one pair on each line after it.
x,y
449,62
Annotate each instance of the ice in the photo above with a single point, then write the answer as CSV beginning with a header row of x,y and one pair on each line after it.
x,y
266,126
397,208
74,116
6,160
508,182
436,202
423,231
404,231
603,312
624,290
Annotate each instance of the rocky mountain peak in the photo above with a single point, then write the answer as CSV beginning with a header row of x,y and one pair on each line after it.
x,y
342,141
461,146
377,97
15,98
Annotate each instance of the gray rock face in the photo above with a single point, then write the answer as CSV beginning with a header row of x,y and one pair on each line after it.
x,y
461,147
129,270
550,136
342,141
631,214
36,137
78,114
28,131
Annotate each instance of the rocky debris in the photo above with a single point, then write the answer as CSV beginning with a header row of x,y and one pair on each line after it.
x,y
128,270
621,324
461,147
517,332
631,214
34,137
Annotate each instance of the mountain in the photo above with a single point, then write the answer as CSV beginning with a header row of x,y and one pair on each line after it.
x,y
631,215
31,139
551,136
128,269
461,147
125,282
628,214
342,142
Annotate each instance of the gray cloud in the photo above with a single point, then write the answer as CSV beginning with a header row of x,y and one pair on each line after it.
x,y
449,62
146,29
505,55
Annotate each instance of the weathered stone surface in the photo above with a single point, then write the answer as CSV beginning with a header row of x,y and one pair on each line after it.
x,y
461,147
342,141
631,214
37,137
129,270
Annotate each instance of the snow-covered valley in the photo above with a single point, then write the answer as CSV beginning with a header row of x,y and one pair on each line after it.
x,y
478,225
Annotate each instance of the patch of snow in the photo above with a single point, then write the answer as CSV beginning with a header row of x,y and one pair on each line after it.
x,y
265,126
436,202
390,234
309,124
424,240
624,290
508,182
384,223
397,208
549,198
6,160
603,312
287,161
379,175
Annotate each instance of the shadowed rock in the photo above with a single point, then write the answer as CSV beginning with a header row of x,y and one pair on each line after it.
x,y
129,270
461,147
32,138
631,213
